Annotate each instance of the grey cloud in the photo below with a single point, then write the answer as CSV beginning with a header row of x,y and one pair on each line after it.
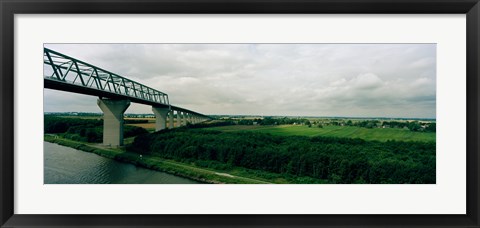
x,y
275,79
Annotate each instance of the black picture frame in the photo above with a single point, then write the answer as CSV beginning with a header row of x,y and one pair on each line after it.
x,y
9,8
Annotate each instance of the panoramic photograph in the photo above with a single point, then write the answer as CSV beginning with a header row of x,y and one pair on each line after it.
x,y
240,113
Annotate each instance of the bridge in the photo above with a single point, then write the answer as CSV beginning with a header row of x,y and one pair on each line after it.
x,y
65,73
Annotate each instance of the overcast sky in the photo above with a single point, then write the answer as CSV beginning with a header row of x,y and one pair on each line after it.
x,y
356,80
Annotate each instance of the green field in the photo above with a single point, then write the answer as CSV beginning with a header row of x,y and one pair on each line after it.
x,y
380,134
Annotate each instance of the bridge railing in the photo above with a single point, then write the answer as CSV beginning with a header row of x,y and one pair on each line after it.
x,y
58,66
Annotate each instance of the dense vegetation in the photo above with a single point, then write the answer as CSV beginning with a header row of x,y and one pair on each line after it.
x,y
412,126
327,159
86,130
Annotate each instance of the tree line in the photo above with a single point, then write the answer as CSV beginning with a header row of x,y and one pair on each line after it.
x,y
410,125
334,160
86,130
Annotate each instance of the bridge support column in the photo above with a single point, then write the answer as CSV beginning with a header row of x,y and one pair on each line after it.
x,y
170,119
184,120
179,119
160,117
113,120
187,118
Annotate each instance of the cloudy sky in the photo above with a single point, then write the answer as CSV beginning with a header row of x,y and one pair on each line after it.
x,y
357,80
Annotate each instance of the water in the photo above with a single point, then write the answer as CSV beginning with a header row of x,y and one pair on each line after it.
x,y
65,165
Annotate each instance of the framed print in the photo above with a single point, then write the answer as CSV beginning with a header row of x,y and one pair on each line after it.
x,y
248,114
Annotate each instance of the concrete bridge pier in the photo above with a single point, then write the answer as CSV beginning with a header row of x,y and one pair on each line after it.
x,y
179,119
187,118
160,117
113,120
184,119
170,119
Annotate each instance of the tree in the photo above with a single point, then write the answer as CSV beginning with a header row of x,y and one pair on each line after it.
x,y
431,127
308,123
414,126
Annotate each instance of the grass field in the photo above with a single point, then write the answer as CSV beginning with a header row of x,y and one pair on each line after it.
x,y
83,117
147,126
150,126
380,134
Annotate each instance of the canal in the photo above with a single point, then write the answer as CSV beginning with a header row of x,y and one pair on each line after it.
x,y
65,165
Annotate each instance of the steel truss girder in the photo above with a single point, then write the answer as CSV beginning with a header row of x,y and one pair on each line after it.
x,y
76,72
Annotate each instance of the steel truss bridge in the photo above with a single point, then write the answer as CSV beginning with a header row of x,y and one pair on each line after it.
x,y
65,73
62,72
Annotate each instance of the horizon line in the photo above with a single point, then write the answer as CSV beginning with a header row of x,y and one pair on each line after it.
x,y
353,117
